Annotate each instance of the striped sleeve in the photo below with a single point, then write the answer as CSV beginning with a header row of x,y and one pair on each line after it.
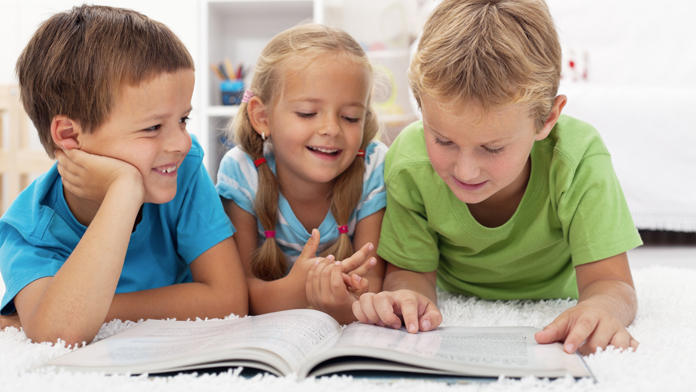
x,y
238,179
374,197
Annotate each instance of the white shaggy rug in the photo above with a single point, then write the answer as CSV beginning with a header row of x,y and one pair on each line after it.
x,y
665,361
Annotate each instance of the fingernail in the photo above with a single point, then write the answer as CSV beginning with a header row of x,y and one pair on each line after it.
x,y
337,263
317,262
357,277
569,348
371,247
396,326
373,261
426,325
312,235
412,328
381,324
330,257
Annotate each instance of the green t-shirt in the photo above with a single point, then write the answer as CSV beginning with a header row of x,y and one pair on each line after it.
x,y
573,212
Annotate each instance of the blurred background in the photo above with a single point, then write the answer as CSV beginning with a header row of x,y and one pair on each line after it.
x,y
629,69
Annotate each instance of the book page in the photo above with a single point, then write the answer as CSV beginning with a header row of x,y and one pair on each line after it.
x,y
462,350
473,345
291,335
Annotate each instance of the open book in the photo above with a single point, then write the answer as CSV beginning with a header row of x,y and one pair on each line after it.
x,y
311,343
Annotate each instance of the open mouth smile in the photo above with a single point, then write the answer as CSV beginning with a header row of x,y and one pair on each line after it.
x,y
326,151
165,169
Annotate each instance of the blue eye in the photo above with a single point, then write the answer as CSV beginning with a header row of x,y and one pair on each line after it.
x,y
493,150
443,143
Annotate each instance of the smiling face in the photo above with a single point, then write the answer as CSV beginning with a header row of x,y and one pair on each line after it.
x,y
147,128
480,158
316,125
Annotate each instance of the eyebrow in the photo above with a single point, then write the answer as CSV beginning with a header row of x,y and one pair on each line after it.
x,y
317,100
160,116
499,140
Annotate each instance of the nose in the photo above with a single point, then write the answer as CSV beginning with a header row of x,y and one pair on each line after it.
x,y
331,126
178,141
466,167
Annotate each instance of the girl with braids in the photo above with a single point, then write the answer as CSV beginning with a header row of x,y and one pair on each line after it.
x,y
306,176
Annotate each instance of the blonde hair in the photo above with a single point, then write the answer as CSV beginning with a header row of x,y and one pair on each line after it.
x,y
295,48
494,52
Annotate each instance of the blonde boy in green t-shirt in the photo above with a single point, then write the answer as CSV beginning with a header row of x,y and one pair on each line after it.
x,y
496,194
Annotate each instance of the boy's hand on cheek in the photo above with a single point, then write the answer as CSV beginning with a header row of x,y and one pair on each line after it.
x,y
581,323
388,308
90,176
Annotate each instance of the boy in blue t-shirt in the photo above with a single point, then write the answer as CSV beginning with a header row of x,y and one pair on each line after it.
x,y
127,225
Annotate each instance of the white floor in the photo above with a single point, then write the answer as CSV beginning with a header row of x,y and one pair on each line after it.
x,y
673,256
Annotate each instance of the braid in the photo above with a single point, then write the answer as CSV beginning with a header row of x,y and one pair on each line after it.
x,y
268,261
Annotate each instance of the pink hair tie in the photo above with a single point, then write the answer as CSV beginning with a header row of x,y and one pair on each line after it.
x,y
343,229
270,234
248,94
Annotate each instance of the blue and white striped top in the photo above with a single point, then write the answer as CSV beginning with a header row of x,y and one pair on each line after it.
x,y
238,180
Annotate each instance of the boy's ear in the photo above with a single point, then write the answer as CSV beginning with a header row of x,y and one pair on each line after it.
x,y
66,132
258,116
551,120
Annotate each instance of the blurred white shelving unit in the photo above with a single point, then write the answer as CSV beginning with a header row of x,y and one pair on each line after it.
x,y
237,30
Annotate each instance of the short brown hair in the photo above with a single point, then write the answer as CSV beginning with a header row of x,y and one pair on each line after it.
x,y
77,61
493,52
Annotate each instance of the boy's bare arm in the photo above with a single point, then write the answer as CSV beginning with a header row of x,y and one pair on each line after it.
x,y
407,295
218,289
73,304
607,305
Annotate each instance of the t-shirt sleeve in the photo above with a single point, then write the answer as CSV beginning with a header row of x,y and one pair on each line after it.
x,y
238,179
202,222
22,263
593,211
374,196
407,240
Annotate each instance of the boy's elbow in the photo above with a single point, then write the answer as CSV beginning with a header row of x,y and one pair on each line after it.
x,y
72,336
233,302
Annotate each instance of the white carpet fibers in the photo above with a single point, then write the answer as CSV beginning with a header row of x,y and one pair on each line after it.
x,y
665,360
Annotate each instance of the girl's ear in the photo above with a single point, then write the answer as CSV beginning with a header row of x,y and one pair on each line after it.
x,y
258,116
66,132
551,120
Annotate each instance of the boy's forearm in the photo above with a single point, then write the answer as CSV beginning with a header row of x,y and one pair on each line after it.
x,y
181,301
613,296
74,303
401,279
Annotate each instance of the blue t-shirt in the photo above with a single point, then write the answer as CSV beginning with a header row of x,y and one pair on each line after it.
x,y
38,233
238,180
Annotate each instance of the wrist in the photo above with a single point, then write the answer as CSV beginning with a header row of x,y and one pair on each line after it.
x,y
128,185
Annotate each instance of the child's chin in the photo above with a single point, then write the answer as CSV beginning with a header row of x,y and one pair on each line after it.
x,y
160,198
466,197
